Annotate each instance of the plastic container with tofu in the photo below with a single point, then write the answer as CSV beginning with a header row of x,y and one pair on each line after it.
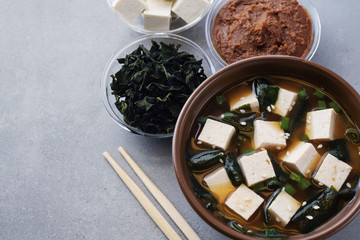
x,y
297,164
160,16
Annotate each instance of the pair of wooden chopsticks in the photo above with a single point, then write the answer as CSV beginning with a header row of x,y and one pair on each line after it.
x,y
147,204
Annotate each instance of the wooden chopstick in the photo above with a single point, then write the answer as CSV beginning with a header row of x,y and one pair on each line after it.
x,y
144,200
161,198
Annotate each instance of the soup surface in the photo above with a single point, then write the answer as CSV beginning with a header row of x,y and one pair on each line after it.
x,y
274,157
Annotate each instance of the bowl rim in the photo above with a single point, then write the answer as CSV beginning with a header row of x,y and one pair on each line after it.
x,y
315,23
105,75
345,216
172,31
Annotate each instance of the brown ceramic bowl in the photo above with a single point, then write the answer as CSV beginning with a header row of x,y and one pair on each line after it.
x,y
241,71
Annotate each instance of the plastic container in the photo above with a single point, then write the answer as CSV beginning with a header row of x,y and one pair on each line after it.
x,y
177,24
113,66
209,25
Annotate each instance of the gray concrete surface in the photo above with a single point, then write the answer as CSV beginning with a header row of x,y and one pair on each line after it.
x,y
54,182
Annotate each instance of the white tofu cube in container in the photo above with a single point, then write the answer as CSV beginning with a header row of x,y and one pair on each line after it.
x,y
285,102
244,201
284,207
189,10
321,125
157,15
219,183
256,167
332,172
268,134
217,134
302,157
245,103
129,9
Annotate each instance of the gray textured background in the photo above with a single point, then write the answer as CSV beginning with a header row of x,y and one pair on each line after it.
x,y
54,182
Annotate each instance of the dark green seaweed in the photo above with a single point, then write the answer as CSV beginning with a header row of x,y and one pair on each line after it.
x,y
281,174
236,226
347,194
339,149
233,169
267,215
221,99
298,115
242,122
266,93
204,160
270,184
245,107
209,200
201,119
317,211
153,84
268,233
239,141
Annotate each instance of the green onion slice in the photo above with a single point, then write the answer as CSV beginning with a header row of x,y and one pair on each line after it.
x,y
322,104
201,119
302,94
220,99
248,151
284,124
353,136
335,106
302,182
290,189
304,138
319,94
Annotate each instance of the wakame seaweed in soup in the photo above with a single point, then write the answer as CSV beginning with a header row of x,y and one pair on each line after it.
x,y
279,156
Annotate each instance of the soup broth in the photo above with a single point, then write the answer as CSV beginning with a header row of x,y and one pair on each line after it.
x,y
296,132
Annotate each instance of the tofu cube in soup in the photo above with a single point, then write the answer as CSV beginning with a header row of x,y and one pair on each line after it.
x,y
302,158
248,103
321,124
285,102
157,15
268,134
332,172
219,183
189,10
129,9
244,201
256,167
284,207
217,134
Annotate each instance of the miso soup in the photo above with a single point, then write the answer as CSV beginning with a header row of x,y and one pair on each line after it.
x,y
274,157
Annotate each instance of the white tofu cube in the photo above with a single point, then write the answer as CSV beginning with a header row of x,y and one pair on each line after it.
x,y
284,207
244,201
302,158
256,167
156,22
320,124
129,9
189,10
285,102
249,102
333,172
219,183
217,134
157,15
268,134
